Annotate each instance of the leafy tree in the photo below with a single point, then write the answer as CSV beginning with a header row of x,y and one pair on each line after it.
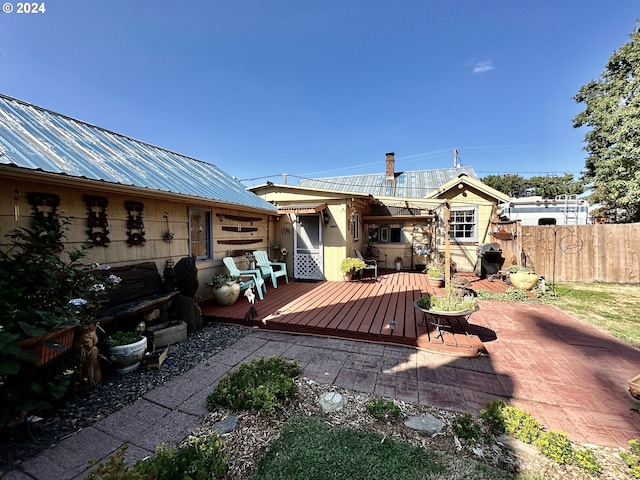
x,y
547,186
613,142
510,184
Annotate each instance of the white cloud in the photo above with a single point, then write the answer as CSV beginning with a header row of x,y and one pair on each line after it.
x,y
484,66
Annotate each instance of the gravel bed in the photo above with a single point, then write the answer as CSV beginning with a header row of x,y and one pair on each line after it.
x,y
114,392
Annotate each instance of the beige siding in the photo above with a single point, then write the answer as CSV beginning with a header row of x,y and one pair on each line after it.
x,y
15,211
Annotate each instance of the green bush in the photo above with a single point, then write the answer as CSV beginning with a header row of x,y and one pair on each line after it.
x,y
196,459
555,445
260,385
632,458
493,416
464,426
381,408
586,460
520,424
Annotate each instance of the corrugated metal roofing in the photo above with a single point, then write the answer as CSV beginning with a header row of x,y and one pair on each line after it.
x,y
415,184
38,139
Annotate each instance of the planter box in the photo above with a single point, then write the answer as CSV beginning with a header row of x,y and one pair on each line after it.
x,y
167,334
47,347
634,387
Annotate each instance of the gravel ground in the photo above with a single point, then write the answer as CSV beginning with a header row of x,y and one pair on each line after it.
x,y
114,392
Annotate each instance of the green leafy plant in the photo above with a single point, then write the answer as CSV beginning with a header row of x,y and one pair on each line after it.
x,y
492,414
511,294
222,279
555,445
586,460
517,268
521,424
632,458
122,338
263,385
451,302
381,408
435,270
351,265
198,458
43,288
465,426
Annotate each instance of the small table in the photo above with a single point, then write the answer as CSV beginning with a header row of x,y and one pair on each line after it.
x,y
437,319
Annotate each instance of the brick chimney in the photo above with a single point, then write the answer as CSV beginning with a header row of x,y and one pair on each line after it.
x,y
391,165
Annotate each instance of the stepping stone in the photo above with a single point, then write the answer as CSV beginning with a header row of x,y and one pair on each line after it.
x,y
226,425
331,402
425,423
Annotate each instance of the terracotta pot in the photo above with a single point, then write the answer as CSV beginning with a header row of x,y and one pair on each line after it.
x,y
436,282
523,280
47,347
227,294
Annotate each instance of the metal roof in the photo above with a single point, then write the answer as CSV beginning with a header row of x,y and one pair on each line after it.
x,y
38,139
415,184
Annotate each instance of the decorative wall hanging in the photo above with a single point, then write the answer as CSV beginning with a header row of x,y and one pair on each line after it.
x,y
45,205
97,220
237,218
168,235
135,225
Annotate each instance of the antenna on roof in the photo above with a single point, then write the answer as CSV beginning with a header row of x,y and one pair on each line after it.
x,y
456,160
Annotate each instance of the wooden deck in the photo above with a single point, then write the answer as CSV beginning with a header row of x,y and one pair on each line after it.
x,y
379,310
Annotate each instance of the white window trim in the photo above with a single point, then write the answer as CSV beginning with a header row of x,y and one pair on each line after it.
x,y
474,238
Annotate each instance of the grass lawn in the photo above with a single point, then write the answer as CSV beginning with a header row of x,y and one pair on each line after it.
x,y
309,449
611,306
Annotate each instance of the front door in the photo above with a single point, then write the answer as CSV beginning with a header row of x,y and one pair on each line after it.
x,y
308,261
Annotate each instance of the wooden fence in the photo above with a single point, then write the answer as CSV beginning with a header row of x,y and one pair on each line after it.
x,y
575,253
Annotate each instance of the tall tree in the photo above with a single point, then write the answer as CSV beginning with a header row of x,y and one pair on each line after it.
x,y
613,142
547,186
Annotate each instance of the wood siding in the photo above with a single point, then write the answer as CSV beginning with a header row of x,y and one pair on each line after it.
x,y
582,253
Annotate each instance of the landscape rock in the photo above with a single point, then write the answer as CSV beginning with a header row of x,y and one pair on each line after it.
x,y
425,423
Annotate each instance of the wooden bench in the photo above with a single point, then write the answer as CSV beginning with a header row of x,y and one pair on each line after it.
x,y
141,295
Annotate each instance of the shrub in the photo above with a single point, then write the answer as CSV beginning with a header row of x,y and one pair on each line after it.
x,y
493,415
521,424
381,408
464,426
632,458
197,459
555,445
260,385
586,460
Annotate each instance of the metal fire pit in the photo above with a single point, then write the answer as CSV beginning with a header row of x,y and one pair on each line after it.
x,y
490,259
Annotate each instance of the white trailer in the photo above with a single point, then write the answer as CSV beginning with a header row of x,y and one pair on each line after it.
x,y
535,210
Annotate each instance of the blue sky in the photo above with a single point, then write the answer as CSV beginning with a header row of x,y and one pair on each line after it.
x,y
315,89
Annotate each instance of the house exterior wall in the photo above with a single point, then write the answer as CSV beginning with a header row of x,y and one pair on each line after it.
x,y
15,212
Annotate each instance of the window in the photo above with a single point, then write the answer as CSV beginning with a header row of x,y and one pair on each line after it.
x,y
200,233
462,226
387,234
356,226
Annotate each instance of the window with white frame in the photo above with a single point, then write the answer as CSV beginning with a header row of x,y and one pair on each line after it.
x,y
463,226
200,233
356,226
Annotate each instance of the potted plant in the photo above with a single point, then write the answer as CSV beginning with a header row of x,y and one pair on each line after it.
x,y
251,260
435,273
349,266
46,293
450,304
125,349
522,277
225,288
398,263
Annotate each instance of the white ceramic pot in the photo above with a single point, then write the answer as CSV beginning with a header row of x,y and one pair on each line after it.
x,y
126,358
227,294
398,266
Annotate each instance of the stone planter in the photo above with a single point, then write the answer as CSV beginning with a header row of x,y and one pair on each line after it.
x,y
523,280
126,358
227,294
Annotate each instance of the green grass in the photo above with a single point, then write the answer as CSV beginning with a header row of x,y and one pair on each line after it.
x,y
612,307
309,449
